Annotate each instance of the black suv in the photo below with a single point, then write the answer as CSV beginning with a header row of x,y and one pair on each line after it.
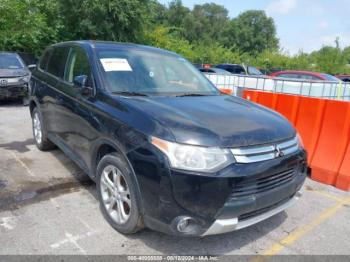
x,y
166,149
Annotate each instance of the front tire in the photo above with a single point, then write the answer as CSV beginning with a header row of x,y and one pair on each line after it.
x,y
119,198
40,137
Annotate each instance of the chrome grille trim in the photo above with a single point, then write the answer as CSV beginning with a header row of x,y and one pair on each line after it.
x,y
265,152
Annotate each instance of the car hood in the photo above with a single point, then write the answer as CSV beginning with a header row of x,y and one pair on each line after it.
x,y
223,121
13,72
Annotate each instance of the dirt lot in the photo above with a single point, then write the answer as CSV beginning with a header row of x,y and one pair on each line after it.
x,y
48,206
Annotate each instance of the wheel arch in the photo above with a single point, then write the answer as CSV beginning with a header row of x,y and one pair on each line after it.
x,y
104,147
32,105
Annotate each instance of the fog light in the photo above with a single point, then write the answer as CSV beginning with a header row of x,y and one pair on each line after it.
x,y
184,224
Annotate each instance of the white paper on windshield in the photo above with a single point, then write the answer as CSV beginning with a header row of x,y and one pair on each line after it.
x,y
115,64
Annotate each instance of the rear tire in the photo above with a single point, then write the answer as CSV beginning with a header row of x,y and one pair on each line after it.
x,y
119,198
39,133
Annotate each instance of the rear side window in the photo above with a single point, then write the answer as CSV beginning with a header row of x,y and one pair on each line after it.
x,y
331,78
238,70
57,61
45,59
204,70
308,77
78,65
253,70
295,76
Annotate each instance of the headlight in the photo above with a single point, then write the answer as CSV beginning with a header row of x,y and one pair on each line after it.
x,y
194,158
300,141
25,79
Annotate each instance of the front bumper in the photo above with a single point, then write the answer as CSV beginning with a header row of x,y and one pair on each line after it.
x,y
227,225
13,91
235,197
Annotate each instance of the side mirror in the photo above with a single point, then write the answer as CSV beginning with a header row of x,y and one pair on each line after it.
x,y
31,67
81,82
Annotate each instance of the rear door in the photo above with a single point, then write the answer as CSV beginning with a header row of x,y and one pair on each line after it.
x,y
53,97
51,69
40,83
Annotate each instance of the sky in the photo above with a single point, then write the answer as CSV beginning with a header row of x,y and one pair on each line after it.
x,y
302,25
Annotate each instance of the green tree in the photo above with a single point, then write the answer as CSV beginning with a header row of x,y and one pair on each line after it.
x,y
252,32
346,54
329,59
168,38
156,14
176,13
24,26
206,23
214,53
121,20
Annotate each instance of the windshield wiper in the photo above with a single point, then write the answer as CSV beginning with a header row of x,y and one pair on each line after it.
x,y
190,94
127,93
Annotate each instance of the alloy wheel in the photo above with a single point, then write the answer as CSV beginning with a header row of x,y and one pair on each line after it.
x,y
37,128
115,194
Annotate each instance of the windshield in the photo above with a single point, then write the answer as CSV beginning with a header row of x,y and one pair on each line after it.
x,y
152,73
10,61
253,71
331,78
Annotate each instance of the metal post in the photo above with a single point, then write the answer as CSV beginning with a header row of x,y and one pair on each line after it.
x,y
324,86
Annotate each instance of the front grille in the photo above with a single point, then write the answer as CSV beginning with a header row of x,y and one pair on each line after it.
x,y
262,210
250,186
265,152
12,91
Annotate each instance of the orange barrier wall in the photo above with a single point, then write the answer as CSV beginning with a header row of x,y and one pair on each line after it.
x,y
324,126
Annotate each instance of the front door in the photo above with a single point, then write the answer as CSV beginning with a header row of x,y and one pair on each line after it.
x,y
77,130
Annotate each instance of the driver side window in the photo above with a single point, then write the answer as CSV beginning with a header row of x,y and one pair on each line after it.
x,y
78,65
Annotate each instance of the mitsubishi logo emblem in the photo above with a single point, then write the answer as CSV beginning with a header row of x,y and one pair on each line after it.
x,y
279,152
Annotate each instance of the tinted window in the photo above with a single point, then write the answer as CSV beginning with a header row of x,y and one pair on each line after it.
x,y
308,77
295,76
78,65
221,71
345,79
231,69
253,71
44,60
205,70
330,77
58,61
234,69
237,70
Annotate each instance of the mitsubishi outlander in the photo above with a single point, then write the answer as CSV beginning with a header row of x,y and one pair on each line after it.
x,y
166,148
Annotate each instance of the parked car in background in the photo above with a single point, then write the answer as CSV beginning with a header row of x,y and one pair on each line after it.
x,y
167,150
240,69
344,78
196,65
14,77
213,70
305,75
